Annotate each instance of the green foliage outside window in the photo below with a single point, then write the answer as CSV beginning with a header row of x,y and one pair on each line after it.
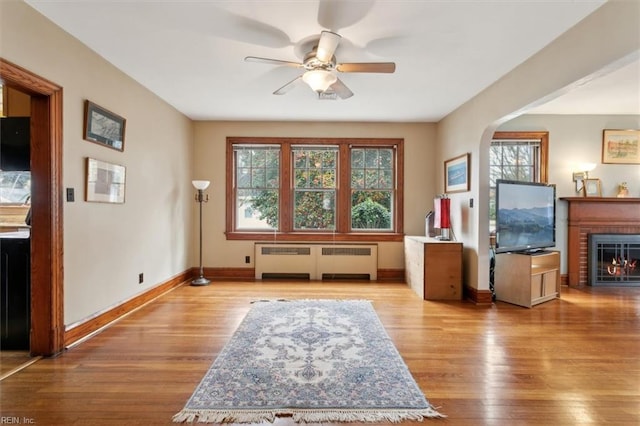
x,y
315,187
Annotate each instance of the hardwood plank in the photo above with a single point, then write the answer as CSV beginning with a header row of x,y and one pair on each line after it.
x,y
568,361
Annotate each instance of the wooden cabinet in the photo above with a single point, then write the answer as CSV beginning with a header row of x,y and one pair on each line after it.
x,y
527,279
15,312
433,268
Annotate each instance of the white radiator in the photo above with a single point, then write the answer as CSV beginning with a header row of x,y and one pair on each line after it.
x,y
348,261
316,261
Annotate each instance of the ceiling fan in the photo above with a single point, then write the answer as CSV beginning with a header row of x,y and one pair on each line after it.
x,y
320,68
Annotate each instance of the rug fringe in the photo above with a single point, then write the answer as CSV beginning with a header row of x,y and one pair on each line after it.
x,y
306,416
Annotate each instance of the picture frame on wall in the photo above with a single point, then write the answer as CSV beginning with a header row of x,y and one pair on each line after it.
x,y
103,126
592,188
621,146
456,174
104,182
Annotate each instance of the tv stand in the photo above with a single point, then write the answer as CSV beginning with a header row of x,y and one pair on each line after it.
x,y
527,279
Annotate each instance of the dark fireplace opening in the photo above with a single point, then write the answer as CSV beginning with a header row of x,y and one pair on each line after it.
x,y
614,260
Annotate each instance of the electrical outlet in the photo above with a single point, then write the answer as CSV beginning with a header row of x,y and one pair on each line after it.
x,y
140,278
470,202
247,259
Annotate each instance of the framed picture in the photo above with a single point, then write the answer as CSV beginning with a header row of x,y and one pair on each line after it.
x,y
592,188
105,182
621,146
103,127
456,174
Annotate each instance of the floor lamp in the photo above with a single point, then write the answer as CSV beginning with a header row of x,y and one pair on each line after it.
x,y
201,185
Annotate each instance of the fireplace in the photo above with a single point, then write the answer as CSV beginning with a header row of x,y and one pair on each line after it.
x,y
614,260
598,215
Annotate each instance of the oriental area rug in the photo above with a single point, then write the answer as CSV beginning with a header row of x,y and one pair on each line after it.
x,y
312,360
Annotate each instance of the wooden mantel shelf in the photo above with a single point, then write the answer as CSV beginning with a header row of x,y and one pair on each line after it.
x,y
601,199
586,215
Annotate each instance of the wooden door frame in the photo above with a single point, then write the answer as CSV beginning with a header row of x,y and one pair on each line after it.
x,y
47,315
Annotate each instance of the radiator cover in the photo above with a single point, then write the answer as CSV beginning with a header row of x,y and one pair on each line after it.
x,y
317,261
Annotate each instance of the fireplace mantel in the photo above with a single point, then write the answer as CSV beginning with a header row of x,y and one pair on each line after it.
x,y
588,215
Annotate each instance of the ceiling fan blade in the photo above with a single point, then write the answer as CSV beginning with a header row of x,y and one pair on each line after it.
x,y
341,89
327,45
381,67
272,61
290,85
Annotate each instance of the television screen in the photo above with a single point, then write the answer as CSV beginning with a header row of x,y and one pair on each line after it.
x,y
525,216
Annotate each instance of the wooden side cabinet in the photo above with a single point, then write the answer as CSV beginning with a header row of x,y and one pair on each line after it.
x,y
433,268
527,279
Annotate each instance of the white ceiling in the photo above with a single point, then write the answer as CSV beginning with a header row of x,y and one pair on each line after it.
x,y
190,53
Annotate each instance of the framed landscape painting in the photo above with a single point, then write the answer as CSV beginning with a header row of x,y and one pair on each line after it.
x,y
456,174
621,146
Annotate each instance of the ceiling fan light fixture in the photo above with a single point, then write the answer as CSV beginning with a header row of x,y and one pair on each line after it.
x,y
319,80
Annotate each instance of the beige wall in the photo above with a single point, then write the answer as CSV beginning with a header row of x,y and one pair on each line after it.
x,y
106,246
210,143
606,39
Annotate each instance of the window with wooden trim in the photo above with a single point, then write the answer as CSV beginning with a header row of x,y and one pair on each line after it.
x,y
520,156
306,189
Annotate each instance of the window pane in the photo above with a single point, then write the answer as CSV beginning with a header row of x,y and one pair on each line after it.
x,y
257,187
314,205
372,183
357,158
314,210
371,179
257,209
371,210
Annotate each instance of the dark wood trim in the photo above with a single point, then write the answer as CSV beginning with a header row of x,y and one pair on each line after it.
x,y
78,331
47,313
479,297
391,275
227,274
248,274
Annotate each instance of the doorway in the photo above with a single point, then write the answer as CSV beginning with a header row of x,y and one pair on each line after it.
x,y
47,316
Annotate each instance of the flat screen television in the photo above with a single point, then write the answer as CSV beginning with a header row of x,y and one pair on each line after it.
x,y
525,216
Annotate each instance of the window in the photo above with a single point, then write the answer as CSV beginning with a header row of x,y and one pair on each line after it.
x,y
15,187
257,177
520,156
314,189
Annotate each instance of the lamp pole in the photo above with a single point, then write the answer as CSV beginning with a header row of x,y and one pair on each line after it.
x,y
201,185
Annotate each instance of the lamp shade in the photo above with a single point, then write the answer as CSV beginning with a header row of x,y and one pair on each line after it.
x,y
200,184
319,80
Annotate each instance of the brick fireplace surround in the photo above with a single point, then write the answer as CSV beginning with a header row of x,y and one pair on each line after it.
x,y
601,215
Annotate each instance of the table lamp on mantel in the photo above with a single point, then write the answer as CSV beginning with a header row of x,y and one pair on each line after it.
x,y
201,185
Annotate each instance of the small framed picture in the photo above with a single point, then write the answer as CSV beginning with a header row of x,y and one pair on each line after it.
x,y
621,146
105,182
103,127
592,188
456,174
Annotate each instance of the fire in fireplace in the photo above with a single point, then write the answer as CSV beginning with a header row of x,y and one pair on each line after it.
x,y
614,260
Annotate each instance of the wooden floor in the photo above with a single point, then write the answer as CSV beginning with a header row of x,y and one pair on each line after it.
x,y
573,361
